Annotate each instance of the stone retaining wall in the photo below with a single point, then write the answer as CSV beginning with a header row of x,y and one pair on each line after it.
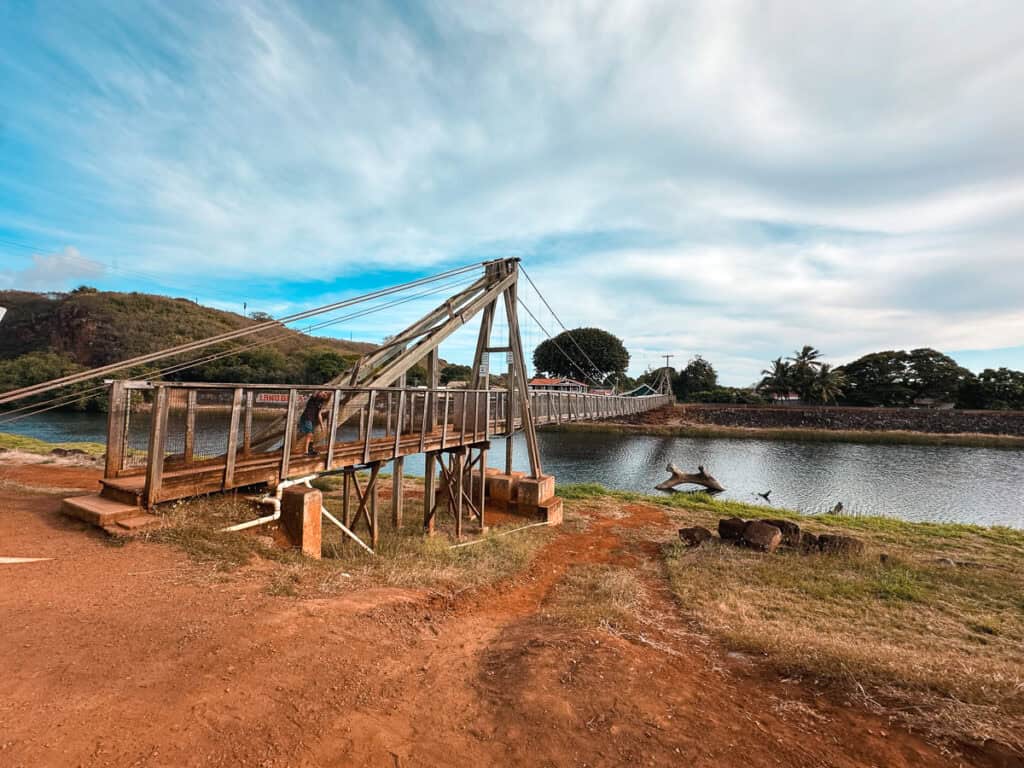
x,y
873,419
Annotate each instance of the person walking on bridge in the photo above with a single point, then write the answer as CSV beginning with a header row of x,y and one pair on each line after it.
x,y
314,417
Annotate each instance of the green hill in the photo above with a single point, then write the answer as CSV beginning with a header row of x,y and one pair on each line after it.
x,y
46,335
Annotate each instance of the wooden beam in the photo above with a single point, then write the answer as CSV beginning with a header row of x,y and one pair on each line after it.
x,y
190,426
289,431
117,428
397,492
232,451
157,447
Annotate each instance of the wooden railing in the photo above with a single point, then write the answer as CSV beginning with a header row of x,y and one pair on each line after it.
x,y
221,436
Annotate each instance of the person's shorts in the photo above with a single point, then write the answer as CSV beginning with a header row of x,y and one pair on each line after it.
x,y
305,426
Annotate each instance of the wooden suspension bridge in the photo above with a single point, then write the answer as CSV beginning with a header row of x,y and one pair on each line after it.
x,y
168,440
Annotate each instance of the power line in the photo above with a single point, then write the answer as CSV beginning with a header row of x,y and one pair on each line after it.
x,y
62,400
227,336
557,345
552,311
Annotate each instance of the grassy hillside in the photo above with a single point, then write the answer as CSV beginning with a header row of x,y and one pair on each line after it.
x,y
49,335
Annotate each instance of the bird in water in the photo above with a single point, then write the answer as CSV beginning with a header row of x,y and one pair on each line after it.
x,y
765,495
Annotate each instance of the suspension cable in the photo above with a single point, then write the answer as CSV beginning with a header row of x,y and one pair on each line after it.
x,y
557,345
228,336
18,414
557,319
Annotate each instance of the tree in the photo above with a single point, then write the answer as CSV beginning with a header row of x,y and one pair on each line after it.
x,y
453,372
828,384
896,378
803,371
322,365
777,379
698,376
582,353
998,389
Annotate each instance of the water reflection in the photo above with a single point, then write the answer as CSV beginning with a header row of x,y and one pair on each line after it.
x,y
913,482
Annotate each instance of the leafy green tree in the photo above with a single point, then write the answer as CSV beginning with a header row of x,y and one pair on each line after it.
x,y
323,365
453,372
36,367
896,378
997,389
697,376
600,356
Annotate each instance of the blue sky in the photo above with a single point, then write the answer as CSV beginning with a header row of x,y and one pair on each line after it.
x,y
731,179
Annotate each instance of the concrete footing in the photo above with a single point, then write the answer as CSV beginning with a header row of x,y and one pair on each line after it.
x,y
300,518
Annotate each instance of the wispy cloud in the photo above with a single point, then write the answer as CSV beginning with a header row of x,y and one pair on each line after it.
x,y
729,178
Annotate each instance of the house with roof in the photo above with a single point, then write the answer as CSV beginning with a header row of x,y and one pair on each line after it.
x,y
539,384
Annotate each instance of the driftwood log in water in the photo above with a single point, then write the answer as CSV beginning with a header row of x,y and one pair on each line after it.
x,y
680,478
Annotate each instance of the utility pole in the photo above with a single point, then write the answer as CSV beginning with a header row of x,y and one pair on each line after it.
x,y
667,358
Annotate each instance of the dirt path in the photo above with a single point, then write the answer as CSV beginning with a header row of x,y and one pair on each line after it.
x,y
135,656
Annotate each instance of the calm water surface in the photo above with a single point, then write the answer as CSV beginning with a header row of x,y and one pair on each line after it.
x,y
913,482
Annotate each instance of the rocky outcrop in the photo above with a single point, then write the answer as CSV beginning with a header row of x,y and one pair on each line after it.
x,y
694,537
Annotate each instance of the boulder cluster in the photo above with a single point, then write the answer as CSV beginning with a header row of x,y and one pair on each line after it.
x,y
769,535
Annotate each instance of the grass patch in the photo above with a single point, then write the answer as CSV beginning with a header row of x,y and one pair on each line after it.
x,y
798,434
604,596
404,557
933,632
25,444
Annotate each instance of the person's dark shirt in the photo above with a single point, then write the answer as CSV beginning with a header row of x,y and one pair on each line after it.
x,y
314,405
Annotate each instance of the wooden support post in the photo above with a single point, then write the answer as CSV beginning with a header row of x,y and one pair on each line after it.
x,y
190,426
117,428
247,428
346,492
332,426
369,427
481,497
458,476
429,491
289,432
372,491
232,451
157,447
397,492
516,342
444,420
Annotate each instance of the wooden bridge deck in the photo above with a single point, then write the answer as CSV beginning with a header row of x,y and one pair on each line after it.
x,y
365,427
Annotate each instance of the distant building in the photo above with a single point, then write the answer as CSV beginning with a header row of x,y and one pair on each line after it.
x,y
538,384
788,398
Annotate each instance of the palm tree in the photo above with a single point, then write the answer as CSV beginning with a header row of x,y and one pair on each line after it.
x,y
828,384
777,379
804,370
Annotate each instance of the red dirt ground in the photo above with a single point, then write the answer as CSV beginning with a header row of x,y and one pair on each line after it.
x,y
136,656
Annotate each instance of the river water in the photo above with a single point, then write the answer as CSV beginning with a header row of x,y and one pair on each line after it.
x,y
912,482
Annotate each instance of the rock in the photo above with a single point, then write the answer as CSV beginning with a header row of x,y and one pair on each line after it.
x,y
790,531
808,541
840,545
59,452
761,536
946,562
694,537
731,529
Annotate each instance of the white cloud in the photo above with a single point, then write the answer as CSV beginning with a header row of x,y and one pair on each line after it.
x,y
738,178
52,272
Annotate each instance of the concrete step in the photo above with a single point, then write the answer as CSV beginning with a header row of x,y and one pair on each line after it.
x,y
99,510
123,492
551,509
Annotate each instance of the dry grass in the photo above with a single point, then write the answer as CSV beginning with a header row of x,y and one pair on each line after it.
x,y
933,632
404,558
605,596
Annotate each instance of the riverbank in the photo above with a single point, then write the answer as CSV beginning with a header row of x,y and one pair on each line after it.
x,y
563,646
926,625
675,421
31,445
